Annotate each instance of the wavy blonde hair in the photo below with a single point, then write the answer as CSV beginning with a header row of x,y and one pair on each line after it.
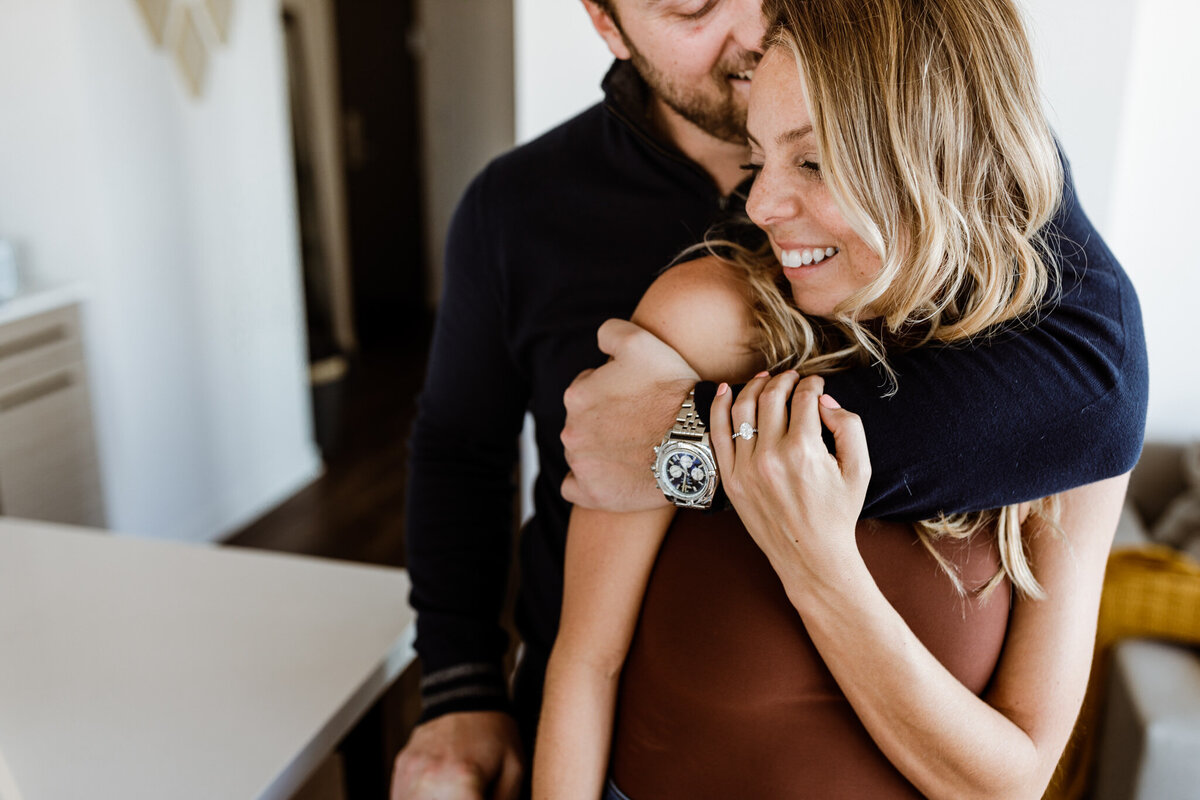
x,y
933,143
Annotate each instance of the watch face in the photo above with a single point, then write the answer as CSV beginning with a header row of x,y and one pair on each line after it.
x,y
684,472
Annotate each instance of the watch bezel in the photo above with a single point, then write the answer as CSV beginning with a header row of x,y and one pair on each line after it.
x,y
702,452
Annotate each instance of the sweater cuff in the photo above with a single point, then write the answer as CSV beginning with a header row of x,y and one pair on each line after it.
x,y
706,392
464,687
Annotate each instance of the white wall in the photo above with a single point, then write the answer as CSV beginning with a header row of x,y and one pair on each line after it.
x,y
1155,205
560,61
1084,49
42,199
180,216
1119,78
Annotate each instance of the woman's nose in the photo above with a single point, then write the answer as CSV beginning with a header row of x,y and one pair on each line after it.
x,y
770,200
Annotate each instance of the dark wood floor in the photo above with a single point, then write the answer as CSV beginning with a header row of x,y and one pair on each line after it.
x,y
355,510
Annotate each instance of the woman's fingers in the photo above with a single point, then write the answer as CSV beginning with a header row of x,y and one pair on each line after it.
x,y
720,431
773,406
744,415
726,419
763,405
806,419
850,440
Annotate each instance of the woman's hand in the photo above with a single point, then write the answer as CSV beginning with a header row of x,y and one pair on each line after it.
x,y
799,501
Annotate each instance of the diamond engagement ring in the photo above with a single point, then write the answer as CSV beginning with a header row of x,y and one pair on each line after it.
x,y
746,431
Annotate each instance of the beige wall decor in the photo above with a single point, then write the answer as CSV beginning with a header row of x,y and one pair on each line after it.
x,y
221,13
190,53
157,14
192,30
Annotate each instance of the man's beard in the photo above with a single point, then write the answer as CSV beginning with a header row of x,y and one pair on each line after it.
x,y
719,112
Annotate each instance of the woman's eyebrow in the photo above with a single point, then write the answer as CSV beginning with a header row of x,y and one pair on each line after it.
x,y
795,134
787,137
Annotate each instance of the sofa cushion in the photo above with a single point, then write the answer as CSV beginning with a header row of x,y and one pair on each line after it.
x,y
1179,525
1157,480
1151,741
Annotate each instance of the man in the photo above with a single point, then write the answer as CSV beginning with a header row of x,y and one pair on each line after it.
x,y
565,232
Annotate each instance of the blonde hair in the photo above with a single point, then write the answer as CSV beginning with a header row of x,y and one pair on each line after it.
x,y
933,143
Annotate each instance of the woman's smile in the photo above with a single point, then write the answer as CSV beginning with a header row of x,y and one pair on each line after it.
x,y
791,257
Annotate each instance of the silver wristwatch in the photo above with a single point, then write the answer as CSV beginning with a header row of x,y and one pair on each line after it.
x,y
684,465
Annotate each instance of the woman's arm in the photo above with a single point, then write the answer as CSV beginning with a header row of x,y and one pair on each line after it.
x,y
608,561
699,309
799,503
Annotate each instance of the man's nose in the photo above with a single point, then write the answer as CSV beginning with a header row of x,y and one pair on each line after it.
x,y
751,26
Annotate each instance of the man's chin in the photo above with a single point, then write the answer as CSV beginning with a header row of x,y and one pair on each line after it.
x,y
722,117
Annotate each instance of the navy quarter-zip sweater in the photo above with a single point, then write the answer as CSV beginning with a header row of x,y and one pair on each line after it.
x,y
567,231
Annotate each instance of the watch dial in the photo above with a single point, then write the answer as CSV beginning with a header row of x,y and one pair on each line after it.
x,y
686,474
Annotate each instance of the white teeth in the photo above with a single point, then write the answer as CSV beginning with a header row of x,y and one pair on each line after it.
x,y
797,258
746,75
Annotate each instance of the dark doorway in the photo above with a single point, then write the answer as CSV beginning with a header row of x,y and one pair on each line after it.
x,y
383,178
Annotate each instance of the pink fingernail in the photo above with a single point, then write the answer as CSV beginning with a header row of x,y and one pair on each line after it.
x,y
762,374
722,389
829,402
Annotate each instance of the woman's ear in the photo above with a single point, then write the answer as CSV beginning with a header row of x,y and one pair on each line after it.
x,y
607,27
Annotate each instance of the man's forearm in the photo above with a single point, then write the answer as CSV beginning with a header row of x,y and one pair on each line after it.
x,y
458,555
1026,415
459,523
1039,448
1023,415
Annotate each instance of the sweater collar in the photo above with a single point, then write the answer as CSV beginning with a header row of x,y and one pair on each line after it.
x,y
627,93
627,97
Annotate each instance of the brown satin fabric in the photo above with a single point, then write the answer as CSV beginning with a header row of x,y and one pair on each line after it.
x,y
724,695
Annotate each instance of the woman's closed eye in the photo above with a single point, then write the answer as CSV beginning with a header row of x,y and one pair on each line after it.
x,y
811,167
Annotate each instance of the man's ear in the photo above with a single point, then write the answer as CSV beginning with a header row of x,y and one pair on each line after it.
x,y
608,29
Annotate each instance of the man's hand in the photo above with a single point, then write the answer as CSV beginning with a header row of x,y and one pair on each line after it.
x,y
617,414
469,755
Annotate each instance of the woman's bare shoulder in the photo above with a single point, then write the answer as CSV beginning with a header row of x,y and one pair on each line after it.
x,y
702,308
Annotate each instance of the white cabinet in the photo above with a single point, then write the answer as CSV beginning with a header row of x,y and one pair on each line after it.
x,y
48,464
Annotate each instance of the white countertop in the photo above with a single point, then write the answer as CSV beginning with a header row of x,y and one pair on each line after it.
x,y
35,300
136,668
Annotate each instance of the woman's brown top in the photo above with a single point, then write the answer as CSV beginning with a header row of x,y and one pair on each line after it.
x,y
725,696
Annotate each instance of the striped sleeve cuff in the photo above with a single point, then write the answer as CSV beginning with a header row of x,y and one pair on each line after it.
x,y
464,687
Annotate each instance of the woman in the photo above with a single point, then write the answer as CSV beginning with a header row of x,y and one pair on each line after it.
x,y
905,171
